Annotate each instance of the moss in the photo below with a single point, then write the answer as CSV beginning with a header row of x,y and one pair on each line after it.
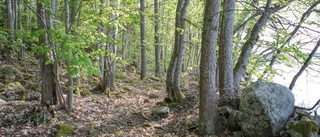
x,y
162,103
180,96
76,90
117,133
121,75
301,114
118,95
173,105
64,130
127,88
156,87
305,127
146,125
86,92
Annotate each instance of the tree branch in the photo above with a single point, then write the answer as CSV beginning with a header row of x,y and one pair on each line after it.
x,y
305,65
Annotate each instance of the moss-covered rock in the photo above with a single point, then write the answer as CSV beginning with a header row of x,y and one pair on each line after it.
x,y
15,91
303,128
10,73
64,130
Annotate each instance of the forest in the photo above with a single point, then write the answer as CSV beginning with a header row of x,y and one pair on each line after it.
x,y
218,68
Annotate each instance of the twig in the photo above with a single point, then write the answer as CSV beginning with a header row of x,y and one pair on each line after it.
x,y
296,107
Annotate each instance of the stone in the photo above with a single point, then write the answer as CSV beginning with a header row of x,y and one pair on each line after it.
x,y
2,102
153,96
233,121
265,108
238,134
224,111
303,128
161,112
4,98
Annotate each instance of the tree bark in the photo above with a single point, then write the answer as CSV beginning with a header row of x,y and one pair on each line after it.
x,y
11,18
157,39
305,65
143,72
70,78
208,97
175,65
48,93
112,50
225,60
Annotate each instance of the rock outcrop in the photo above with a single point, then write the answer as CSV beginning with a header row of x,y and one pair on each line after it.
x,y
264,109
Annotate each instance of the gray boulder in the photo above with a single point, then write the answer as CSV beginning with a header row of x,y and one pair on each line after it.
x,y
161,112
265,108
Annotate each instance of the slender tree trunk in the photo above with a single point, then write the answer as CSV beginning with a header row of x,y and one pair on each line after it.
x,y
101,30
111,49
225,60
208,97
157,39
48,93
143,41
11,18
124,47
70,78
175,65
305,65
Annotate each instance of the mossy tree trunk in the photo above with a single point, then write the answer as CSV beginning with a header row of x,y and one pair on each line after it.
x,y
175,65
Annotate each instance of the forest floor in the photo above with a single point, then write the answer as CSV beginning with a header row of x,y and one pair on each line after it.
x,y
127,112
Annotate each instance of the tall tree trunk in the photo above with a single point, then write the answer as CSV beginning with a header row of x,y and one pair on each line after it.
x,y
175,65
101,30
208,97
70,77
111,49
11,18
305,65
48,93
225,60
124,47
157,39
143,72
